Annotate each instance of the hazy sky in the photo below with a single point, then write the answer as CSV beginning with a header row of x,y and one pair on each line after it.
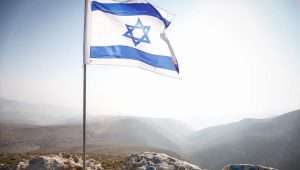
x,y
238,59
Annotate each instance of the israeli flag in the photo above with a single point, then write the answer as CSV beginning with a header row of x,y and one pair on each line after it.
x,y
130,33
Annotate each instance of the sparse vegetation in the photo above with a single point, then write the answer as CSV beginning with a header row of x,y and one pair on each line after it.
x,y
10,161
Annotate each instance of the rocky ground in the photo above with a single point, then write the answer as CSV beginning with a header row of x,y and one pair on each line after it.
x,y
63,161
142,161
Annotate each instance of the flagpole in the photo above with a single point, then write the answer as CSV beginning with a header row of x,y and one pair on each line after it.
x,y
84,115
84,86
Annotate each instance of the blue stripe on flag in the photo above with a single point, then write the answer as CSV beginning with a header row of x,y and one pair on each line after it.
x,y
129,9
125,52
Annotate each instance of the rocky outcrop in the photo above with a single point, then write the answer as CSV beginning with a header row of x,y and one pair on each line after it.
x,y
142,161
64,161
156,161
58,162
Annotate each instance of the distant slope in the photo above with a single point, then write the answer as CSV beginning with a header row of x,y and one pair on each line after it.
x,y
28,127
18,138
134,131
273,142
173,130
128,134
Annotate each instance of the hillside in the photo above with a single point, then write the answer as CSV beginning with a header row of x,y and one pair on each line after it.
x,y
273,142
124,133
41,128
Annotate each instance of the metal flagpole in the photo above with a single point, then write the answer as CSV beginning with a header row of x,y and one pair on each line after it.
x,y
84,85
84,114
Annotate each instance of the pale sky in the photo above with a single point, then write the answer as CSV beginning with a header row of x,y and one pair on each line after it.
x,y
238,59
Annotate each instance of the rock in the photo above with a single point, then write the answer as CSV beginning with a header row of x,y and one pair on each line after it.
x,y
246,167
91,164
23,165
58,162
157,161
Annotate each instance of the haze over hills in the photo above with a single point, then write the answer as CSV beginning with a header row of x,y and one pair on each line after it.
x,y
123,132
273,142
38,114
24,133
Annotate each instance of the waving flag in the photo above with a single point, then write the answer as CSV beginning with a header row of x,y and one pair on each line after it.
x,y
130,33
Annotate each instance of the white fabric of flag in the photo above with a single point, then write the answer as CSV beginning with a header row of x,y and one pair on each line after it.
x,y
130,33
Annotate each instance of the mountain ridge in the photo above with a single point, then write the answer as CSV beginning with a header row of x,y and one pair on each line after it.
x,y
271,142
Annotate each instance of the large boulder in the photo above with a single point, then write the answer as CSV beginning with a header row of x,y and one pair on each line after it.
x,y
156,161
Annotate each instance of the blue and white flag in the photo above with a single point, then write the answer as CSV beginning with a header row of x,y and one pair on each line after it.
x,y
130,33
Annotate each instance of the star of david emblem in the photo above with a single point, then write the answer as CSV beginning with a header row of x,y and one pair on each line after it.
x,y
138,33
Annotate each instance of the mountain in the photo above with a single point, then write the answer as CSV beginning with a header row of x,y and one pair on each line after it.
x,y
41,128
134,131
111,135
273,142
20,138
